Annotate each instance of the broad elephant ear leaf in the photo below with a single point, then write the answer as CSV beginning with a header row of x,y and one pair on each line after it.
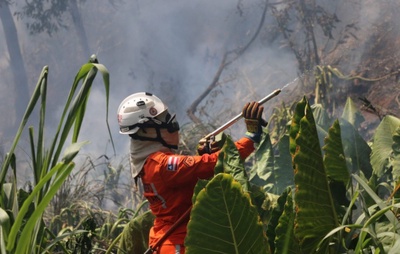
x,y
321,116
223,220
334,159
396,156
264,158
229,162
262,171
356,149
313,198
284,176
382,144
135,236
285,240
352,114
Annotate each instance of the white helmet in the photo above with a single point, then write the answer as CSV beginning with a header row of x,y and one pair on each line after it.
x,y
143,110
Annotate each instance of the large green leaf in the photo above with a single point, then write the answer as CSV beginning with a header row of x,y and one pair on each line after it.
x,y
316,214
352,114
264,158
396,156
321,117
272,167
382,144
262,171
135,236
356,149
230,162
285,240
284,175
334,159
223,220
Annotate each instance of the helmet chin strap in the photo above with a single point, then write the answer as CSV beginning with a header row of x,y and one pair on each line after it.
x,y
157,139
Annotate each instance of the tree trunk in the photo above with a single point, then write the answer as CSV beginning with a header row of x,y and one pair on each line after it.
x,y
21,88
79,28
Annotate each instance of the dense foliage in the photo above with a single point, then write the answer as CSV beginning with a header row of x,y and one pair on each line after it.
x,y
314,185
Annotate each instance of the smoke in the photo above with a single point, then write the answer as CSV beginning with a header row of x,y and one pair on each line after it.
x,y
172,49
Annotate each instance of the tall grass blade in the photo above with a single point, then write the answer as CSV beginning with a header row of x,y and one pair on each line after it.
x,y
389,215
28,111
24,246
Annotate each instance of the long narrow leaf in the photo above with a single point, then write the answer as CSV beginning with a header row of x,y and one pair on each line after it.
x,y
389,215
40,139
28,111
23,246
24,209
4,224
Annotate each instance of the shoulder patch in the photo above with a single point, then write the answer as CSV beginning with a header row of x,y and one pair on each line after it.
x,y
188,161
172,163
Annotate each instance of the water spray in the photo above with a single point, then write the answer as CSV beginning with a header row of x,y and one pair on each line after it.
x,y
239,116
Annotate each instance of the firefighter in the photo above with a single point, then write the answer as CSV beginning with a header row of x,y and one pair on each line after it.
x,y
169,178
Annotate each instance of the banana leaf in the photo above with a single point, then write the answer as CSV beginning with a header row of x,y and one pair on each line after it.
x,y
382,144
223,220
316,214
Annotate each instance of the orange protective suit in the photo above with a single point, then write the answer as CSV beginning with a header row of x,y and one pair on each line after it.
x,y
169,180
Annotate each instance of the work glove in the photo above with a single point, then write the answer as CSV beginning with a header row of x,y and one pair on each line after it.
x,y
212,145
252,113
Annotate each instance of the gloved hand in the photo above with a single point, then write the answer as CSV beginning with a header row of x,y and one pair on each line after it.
x,y
252,113
207,146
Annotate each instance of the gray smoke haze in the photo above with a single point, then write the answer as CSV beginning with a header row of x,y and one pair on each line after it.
x,y
169,48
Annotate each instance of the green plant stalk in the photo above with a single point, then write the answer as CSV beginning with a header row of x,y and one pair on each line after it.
x,y
389,215
365,230
24,209
40,141
35,217
58,239
113,243
28,111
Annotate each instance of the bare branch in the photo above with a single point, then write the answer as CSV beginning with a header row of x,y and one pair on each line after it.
x,y
224,63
